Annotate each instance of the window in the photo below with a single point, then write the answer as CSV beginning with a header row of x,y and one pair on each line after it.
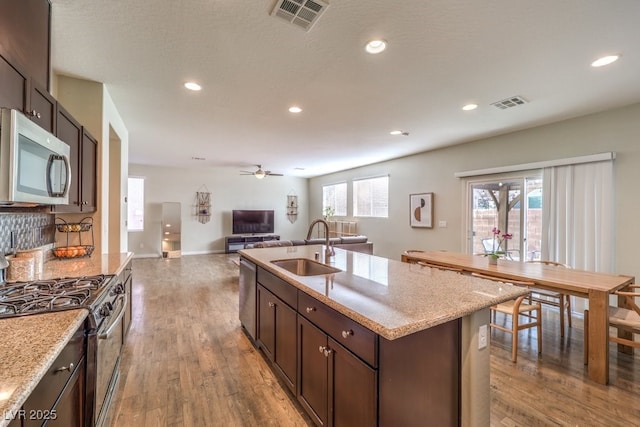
x,y
371,197
135,205
335,196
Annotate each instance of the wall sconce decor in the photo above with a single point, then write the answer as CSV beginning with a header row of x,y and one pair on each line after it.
x,y
203,205
292,207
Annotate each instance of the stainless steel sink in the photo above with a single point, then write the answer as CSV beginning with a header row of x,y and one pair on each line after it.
x,y
305,267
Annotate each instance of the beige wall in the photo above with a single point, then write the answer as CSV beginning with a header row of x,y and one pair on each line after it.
x,y
229,190
90,103
614,130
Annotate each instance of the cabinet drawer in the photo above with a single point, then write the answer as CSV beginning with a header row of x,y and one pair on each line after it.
x,y
347,332
286,292
51,385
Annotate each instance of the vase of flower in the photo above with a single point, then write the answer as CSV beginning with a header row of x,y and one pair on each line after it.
x,y
497,249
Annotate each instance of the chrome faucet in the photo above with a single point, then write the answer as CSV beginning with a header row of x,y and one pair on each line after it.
x,y
328,252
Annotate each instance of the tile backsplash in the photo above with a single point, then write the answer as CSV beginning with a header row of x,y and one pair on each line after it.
x,y
25,231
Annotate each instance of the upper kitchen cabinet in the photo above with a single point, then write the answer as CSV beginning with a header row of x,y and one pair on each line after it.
x,y
14,85
24,60
88,171
41,107
83,159
25,28
69,130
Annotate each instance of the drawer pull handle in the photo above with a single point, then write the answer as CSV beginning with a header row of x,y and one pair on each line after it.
x,y
347,334
65,368
311,309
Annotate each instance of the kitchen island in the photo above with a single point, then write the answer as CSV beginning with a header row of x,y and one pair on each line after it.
x,y
405,335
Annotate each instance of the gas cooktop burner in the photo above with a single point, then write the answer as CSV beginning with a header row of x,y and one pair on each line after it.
x,y
49,295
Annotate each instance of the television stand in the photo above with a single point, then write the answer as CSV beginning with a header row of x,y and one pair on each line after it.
x,y
233,244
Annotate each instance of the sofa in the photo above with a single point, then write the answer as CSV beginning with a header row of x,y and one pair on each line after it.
x,y
350,243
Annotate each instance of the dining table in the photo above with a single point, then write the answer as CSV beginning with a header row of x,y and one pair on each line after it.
x,y
594,286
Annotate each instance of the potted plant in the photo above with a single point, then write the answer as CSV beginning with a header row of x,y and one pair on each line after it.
x,y
497,250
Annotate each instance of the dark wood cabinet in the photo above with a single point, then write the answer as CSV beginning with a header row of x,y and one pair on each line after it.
x,y
41,107
69,409
25,28
69,130
89,169
14,84
127,279
59,397
83,159
313,372
352,388
276,335
335,386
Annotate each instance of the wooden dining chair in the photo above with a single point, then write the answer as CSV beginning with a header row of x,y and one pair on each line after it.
x,y
625,319
531,311
556,299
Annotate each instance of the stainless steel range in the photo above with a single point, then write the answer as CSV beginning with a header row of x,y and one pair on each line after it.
x,y
106,301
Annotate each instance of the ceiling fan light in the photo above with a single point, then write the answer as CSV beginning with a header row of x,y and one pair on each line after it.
x,y
259,174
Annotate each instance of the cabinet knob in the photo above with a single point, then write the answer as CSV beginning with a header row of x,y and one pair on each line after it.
x,y
322,349
65,368
347,334
311,309
35,114
271,304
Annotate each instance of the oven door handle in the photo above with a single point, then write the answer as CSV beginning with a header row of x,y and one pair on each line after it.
x,y
116,321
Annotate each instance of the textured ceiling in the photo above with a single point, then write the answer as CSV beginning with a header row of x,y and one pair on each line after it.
x,y
442,54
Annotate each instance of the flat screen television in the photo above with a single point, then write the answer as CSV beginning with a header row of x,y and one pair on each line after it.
x,y
252,221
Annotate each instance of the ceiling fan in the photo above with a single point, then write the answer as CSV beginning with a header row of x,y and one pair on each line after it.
x,y
260,173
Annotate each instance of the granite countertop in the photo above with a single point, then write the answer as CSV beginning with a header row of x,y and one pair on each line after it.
x,y
90,266
28,347
391,298
30,344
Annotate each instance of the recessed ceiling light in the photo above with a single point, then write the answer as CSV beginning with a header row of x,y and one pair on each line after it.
x,y
295,109
396,132
470,107
605,60
192,86
376,46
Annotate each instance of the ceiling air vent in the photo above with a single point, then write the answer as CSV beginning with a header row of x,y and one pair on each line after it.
x,y
513,101
302,13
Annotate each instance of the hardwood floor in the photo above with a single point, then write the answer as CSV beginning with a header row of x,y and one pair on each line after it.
x,y
186,362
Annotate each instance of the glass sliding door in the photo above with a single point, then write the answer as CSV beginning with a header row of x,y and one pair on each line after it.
x,y
505,205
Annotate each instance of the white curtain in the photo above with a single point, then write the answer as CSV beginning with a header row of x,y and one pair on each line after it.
x,y
578,216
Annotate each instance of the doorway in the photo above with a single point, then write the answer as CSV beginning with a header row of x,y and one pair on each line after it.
x,y
511,205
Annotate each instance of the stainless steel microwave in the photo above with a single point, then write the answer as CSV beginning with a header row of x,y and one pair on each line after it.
x,y
34,164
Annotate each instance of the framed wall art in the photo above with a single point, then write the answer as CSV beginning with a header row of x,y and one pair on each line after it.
x,y
421,210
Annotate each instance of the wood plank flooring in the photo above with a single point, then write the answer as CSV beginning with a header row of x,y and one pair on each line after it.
x,y
186,362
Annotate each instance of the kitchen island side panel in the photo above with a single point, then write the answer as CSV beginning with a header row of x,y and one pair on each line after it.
x,y
419,378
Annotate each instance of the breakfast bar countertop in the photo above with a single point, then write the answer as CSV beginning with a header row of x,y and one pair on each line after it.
x,y
391,298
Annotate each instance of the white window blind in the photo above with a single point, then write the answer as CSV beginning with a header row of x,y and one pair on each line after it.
x,y
335,196
371,197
